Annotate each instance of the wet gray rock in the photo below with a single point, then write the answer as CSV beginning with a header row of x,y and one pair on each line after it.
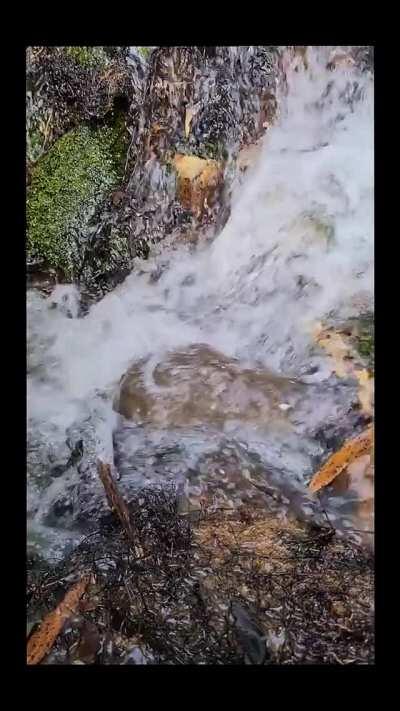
x,y
63,482
250,636
139,656
45,457
229,93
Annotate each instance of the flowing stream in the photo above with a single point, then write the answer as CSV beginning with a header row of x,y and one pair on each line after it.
x,y
208,352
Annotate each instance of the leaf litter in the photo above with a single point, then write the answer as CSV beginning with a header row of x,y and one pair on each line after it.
x,y
200,574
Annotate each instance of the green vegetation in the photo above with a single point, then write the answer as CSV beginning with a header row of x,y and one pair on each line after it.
x,y
145,51
365,343
215,151
87,56
67,184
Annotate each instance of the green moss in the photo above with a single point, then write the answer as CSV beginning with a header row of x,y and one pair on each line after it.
x,y
365,340
87,56
119,141
67,184
215,151
211,150
145,52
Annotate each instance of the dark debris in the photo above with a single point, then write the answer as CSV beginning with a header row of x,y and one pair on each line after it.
x,y
172,603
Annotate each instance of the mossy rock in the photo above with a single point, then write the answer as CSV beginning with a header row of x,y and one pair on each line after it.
x,y
69,86
67,185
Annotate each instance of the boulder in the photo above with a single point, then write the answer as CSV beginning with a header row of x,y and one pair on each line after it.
x,y
81,101
68,186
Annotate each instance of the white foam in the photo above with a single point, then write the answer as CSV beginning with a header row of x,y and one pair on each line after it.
x,y
245,299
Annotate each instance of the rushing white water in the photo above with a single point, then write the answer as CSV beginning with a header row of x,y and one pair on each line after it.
x,y
297,247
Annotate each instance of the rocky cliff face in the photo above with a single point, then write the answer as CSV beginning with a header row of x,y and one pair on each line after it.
x,y
125,149
111,142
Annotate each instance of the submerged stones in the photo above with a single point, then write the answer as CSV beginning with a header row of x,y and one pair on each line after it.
x,y
89,220
200,385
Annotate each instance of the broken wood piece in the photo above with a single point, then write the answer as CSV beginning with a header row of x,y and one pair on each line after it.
x,y
337,462
42,640
117,503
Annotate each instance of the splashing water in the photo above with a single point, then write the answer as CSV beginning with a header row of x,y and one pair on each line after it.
x,y
298,247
